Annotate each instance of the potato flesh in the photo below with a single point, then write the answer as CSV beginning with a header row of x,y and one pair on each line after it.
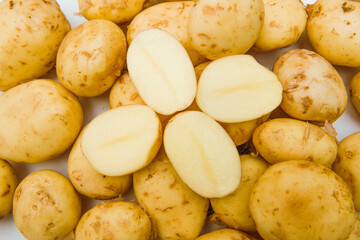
x,y
237,89
203,154
161,71
122,140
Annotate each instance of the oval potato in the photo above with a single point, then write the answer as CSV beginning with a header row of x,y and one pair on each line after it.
x,y
355,91
225,234
8,183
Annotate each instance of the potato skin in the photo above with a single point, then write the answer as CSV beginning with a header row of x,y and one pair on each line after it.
x,y
225,234
234,210
39,120
313,89
83,176
31,32
91,57
8,183
284,139
355,91
302,200
347,164
46,206
114,220
332,29
176,211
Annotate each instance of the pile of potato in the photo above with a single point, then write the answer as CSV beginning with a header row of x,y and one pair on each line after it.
x,y
197,130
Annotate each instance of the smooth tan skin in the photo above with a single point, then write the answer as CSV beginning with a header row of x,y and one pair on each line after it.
x,y
225,234
91,183
114,220
355,234
46,206
347,164
169,16
355,91
234,210
333,30
39,121
8,183
31,32
176,211
91,57
312,88
299,200
284,139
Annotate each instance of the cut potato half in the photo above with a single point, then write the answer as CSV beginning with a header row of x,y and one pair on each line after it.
x,y
203,154
237,89
122,140
162,71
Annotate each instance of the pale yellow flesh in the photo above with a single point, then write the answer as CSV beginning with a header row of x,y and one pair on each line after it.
x,y
161,71
237,89
122,140
203,154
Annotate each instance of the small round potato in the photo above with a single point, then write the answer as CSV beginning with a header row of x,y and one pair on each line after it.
x,y
302,200
31,32
114,220
333,30
225,234
312,88
91,57
8,183
46,206
284,22
83,176
39,120
347,164
117,11
355,91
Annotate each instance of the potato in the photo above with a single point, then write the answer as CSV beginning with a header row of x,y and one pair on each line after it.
x,y
347,164
46,206
313,90
355,234
284,139
83,176
237,89
225,234
221,28
39,120
91,57
122,140
114,220
117,11
31,32
202,153
284,22
161,71
171,17
332,29
176,211
8,184
234,210
302,200
355,91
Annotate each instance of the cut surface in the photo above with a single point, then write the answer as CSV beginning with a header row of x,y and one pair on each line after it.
x,y
238,89
203,154
162,71
122,140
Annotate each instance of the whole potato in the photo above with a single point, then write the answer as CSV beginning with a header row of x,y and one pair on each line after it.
x,y
171,17
219,28
114,220
284,139
46,206
8,183
39,120
91,57
234,210
355,91
83,176
31,32
347,164
176,211
284,22
312,89
225,234
333,30
302,200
